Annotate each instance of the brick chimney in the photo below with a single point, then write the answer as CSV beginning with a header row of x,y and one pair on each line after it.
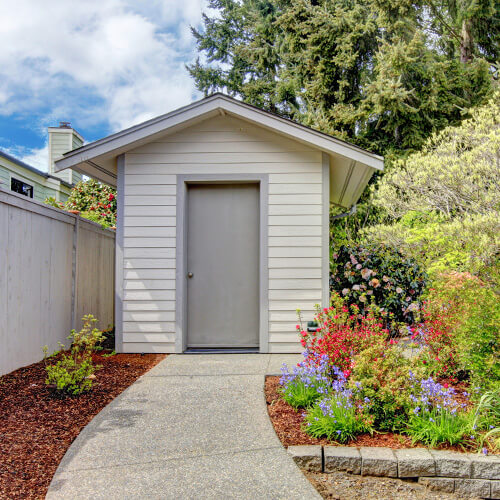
x,y
61,140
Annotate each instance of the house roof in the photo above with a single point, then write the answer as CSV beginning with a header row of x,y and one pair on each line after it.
x,y
20,163
350,166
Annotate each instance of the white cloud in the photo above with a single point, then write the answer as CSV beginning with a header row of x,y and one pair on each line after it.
x,y
115,62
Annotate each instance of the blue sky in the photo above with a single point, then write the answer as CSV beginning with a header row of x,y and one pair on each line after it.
x,y
103,65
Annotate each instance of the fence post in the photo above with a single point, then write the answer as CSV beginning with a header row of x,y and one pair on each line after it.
x,y
74,273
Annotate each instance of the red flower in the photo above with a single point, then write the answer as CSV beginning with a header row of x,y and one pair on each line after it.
x,y
111,196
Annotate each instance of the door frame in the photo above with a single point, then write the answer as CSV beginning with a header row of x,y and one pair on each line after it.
x,y
183,181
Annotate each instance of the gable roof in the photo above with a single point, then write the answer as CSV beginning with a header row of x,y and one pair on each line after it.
x,y
351,167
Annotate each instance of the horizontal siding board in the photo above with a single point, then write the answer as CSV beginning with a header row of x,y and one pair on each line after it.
x,y
229,168
135,178
157,305
149,316
290,262
294,272
301,209
292,304
302,188
149,232
145,242
294,241
295,220
294,230
150,201
193,158
130,263
314,176
154,253
150,190
149,347
166,221
295,199
149,337
294,284
149,285
295,295
148,274
284,348
150,327
287,316
283,337
156,211
294,252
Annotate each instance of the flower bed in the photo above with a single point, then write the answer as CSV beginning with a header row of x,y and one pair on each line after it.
x,y
36,427
432,390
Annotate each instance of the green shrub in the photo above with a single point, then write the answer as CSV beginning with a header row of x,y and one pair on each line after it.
x,y
471,311
380,376
380,275
73,373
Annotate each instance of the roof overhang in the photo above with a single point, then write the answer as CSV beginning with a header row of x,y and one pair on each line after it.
x,y
350,166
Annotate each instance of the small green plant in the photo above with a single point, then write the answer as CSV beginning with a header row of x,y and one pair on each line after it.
x,y
73,373
337,416
487,416
438,426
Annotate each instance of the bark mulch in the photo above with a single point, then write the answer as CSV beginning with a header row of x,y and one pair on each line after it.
x,y
37,428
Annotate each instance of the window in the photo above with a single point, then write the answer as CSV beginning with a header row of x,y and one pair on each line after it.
x,y
21,187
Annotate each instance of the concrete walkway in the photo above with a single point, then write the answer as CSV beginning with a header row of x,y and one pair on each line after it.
x,y
194,427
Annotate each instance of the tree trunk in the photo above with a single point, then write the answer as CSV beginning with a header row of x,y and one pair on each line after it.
x,y
466,41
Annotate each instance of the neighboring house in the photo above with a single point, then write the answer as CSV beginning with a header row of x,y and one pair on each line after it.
x,y
223,224
33,183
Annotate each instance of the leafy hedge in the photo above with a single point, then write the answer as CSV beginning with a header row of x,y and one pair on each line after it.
x,y
380,275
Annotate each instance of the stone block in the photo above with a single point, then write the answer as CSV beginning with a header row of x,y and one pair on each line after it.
x,y
415,462
309,458
344,458
495,490
477,488
485,466
378,462
451,463
445,484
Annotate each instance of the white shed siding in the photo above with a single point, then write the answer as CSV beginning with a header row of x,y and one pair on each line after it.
x,y
221,145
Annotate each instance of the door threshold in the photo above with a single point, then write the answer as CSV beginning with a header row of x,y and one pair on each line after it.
x,y
229,350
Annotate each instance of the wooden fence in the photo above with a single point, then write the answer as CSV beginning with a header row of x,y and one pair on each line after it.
x,y
54,268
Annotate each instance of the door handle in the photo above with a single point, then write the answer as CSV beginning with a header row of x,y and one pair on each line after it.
x,y
190,275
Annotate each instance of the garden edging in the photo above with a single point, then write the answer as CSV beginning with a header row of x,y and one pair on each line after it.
x,y
467,474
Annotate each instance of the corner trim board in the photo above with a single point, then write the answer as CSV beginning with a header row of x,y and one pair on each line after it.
x,y
325,231
120,163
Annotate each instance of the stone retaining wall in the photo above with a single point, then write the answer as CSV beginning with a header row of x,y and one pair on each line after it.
x,y
466,474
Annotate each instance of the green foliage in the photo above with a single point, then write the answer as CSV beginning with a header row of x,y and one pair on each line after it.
x,y
443,203
380,374
336,418
73,373
94,200
383,75
380,275
487,415
440,426
300,394
472,312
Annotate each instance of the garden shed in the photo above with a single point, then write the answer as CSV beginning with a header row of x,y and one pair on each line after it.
x,y
223,224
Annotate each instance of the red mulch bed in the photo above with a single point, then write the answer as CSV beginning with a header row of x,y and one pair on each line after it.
x,y
37,428
287,424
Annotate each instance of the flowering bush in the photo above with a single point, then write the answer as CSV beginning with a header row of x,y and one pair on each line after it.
x,y
342,333
337,416
380,373
307,382
461,325
381,275
94,200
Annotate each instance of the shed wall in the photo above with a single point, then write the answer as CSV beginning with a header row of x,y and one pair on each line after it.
x,y
222,145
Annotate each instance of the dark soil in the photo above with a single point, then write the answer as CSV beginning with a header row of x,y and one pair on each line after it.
x,y
36,428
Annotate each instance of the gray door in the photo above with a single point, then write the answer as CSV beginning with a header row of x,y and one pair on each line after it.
x,y
223,265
